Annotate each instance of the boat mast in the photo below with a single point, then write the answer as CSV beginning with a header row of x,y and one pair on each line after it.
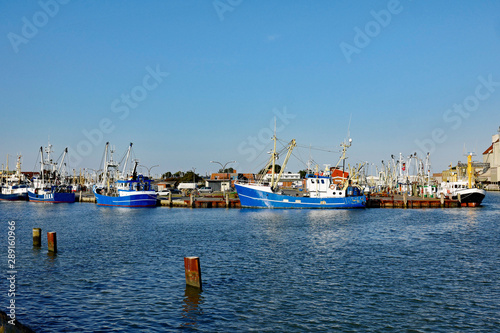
x,y
273,157
126,159
18,167
105,178
7,179
469,169
290,148
42,162
62,161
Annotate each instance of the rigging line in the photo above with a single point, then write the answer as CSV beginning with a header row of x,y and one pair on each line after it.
x,y
299,157
320,149
310,147
36,162
102,166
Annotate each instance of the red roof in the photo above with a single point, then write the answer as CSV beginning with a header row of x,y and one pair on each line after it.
x,y
490,148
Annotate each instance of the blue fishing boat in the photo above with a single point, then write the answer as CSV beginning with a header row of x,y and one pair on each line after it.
x,y
14,187
51,186
123,190
321,191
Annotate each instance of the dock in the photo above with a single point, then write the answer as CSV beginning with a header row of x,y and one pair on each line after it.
x,y
232,201
399,201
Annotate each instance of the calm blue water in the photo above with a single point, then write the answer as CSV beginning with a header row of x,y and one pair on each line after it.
x,y
420,270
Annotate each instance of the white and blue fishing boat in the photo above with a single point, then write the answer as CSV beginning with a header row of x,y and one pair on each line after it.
x,y
51,186
14,187
321,191
132,190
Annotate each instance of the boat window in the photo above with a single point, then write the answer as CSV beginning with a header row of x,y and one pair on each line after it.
x,y
312,181
322,181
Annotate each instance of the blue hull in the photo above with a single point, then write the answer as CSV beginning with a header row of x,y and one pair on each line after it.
x,y
14,197
260,199
53,197
138,200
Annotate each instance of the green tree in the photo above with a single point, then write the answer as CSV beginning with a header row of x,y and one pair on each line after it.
x,y
277,169
188,177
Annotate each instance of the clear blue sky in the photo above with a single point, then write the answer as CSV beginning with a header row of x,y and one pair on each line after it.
x,y
193,81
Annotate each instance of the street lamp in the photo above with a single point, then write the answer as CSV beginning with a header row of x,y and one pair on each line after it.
x,y
223,166
149,169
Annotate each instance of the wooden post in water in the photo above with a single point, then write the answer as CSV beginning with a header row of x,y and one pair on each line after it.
x,y
80,196
169,201
227,200
459,198
52,241
191,200
442,199
405,199
37,237
193,271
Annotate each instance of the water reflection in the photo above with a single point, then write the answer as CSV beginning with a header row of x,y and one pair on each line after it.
x,y
191,307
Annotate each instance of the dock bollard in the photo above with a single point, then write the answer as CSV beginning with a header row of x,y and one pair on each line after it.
x,y
442,199
405,199
227,200
37,237
192,271
52,241
191,200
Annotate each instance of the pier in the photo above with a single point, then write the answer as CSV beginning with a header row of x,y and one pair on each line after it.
x,y
232,201
399,201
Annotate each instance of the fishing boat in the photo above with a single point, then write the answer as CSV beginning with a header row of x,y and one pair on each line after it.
x,y
321,191
463,190
122,189
51,186
15,187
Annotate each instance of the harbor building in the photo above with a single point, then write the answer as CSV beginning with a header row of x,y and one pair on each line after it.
x,y
491,177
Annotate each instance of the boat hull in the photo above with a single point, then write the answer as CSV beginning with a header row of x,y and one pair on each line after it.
x,y
470,197
14,196
251,197
51,197
132,200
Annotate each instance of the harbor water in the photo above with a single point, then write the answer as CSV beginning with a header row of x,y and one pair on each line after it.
x,y
380,270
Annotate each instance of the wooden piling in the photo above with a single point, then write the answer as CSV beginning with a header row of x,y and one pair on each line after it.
x,y
52,241
169,201
191,200
227,200
192,271
37,237
405,199
442,199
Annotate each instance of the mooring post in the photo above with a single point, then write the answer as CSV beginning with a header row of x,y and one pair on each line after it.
x,y
227,200
442,199
191,200
52,241
193,271
405,198
169,201
80,196
37,237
